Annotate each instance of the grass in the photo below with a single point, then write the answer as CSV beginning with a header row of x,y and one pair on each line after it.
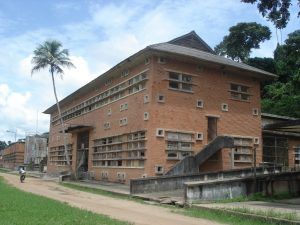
x,y
268,213
223,217
214,215
22,208
101,192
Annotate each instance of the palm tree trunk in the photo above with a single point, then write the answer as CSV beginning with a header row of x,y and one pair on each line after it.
x,y
62,125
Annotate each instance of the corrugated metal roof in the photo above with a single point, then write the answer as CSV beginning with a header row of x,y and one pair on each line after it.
x,y
205,56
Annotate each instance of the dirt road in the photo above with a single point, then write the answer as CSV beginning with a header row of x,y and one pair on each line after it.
x,y
116,208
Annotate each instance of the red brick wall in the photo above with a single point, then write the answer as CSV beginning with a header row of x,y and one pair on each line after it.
x,y
178,112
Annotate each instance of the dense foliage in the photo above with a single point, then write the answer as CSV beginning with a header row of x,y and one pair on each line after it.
x,y
241,39
283,95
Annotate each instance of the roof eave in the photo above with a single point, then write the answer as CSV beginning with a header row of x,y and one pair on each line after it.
x,y
266,75
100,77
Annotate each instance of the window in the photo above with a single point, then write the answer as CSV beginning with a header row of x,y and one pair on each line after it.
x,y
224,107
146,98
199,103
108,82
160,132
147,61
125,73
109,112
256,141
124,106
123,121
255,112
239,92
180,81
106,125
161,98
159,169
199,136
146,116
162,60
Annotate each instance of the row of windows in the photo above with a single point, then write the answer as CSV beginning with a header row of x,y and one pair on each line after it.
x,y
131,86
124,121
127,150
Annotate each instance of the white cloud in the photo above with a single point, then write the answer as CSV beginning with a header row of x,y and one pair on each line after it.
x,y
108,33
17,113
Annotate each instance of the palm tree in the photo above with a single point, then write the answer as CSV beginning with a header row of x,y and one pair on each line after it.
x,y
49,55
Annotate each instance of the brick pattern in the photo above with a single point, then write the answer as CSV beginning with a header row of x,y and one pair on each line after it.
x,y
178,112
13,155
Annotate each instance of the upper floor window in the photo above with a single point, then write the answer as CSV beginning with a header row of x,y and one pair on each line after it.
x,y
239,92
180,81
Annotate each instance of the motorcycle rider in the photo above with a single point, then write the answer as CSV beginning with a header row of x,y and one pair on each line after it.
x,y
22,174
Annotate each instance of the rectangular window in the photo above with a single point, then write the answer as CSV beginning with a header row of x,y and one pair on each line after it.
x,y
239,92
181,82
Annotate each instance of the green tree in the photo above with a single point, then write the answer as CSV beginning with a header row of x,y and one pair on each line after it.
x,y
287,57
3,145
50,55
241,39
283,96
277,11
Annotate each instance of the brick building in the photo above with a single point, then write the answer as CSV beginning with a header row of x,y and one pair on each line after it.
x,y
156,107
13,155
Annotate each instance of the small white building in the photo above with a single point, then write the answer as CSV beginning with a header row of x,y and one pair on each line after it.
x,y
36,148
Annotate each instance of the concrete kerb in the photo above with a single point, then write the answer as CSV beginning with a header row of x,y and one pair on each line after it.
x,y
248,215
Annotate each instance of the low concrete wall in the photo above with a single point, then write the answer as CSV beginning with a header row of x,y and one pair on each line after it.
x,y
271,184
167,183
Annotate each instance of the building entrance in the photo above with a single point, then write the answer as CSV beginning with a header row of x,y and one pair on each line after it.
x,y
82,154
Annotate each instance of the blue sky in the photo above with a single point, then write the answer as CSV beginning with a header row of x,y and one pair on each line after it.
x,y
98,34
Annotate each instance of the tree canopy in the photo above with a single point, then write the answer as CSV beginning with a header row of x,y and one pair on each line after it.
x,y
283,96
277,11
241,39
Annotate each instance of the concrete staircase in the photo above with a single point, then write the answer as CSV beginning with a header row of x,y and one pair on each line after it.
x,y
190,164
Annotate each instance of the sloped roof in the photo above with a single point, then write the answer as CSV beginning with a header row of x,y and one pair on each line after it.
x,y
189,45
207,57
192,40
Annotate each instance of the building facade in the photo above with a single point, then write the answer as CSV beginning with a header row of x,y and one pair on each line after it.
x,y
13,155
156,107
36,148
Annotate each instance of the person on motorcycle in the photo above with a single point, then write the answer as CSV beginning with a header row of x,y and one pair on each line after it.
x,y
22,173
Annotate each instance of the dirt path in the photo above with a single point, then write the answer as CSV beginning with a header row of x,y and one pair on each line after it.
x,y
116,208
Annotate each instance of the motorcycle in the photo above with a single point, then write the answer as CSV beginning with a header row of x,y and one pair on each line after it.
x,y
22,176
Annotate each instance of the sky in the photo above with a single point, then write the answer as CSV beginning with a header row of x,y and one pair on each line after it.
x,y
99,34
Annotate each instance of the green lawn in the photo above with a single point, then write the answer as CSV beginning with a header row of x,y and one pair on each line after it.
x,y
21,208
